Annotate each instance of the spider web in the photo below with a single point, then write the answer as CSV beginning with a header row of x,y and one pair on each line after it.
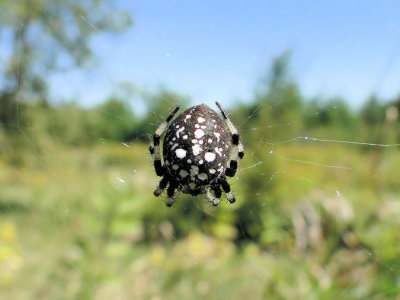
x,y
313,208
308,202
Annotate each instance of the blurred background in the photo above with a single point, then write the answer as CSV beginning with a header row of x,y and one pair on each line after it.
x,y
313,88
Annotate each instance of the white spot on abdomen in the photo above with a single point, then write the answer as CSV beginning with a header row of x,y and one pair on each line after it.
x,y
209,156
180,153
194,170
183,173
179,131
196,149
218,150
199,133
200,119
202,176
217,135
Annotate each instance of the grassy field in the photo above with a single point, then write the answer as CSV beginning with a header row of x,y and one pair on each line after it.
x,y
312,221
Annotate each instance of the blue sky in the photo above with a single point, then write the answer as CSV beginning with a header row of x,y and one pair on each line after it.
x,y
219,50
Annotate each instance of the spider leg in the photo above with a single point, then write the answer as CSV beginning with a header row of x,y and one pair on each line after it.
x,y
171,193
155,144
227,189
162,185
211,198
216,198
237,152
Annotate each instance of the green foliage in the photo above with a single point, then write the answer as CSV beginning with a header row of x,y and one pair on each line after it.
x,y
114,120
281,96
83,233
373,113
159,105
331,117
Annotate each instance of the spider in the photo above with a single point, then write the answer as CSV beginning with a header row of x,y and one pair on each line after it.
x,y
199,151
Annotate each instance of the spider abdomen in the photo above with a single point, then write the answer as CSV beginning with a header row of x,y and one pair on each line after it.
x,y
196,148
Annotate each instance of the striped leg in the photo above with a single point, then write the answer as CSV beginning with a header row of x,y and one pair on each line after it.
x,y
216,198
162,185
155,144
237,152
171,193
227,189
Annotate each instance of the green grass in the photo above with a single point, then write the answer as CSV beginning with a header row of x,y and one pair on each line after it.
x,y
71,229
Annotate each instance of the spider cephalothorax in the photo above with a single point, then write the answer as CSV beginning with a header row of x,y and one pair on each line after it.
x,y
199,151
